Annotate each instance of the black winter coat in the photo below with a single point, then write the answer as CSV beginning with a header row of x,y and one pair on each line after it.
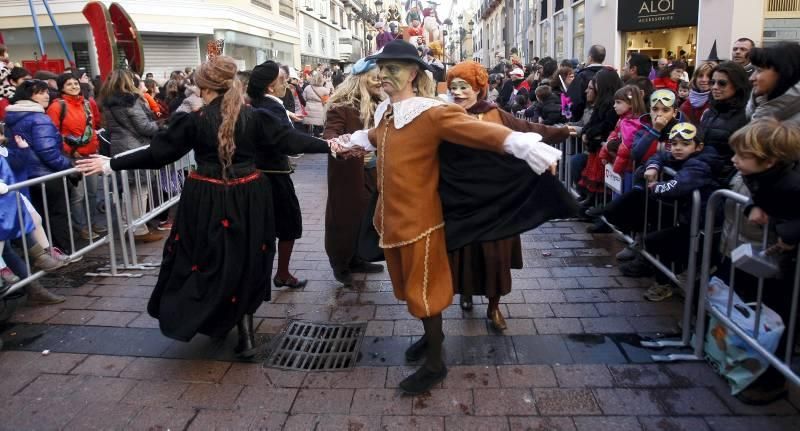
x,y
600,125
717,125
773,191
577,89
272,158
549,110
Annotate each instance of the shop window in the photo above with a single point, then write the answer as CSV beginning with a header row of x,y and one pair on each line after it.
x,y
578,29
544,40
262,3
286,8
561,35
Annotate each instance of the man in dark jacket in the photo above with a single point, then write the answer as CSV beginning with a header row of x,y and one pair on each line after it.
x,y
577,89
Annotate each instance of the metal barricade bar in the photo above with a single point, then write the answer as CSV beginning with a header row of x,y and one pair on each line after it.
x,y
724,316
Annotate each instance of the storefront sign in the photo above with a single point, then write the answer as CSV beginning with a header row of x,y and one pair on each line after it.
x,y
652,14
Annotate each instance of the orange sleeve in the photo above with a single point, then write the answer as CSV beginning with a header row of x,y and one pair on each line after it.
x,y
455,126
54,112
98,120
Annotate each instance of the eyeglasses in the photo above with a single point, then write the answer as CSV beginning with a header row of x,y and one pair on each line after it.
x,y
686,131
721,83
664,96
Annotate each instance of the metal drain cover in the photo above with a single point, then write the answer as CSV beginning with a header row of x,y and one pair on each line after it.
x,y
317,346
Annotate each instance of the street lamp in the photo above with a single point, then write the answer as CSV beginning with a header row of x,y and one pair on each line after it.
x,y
460,37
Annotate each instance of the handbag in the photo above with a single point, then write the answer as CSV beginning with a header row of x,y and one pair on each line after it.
x,y
368,247
323,98
727,353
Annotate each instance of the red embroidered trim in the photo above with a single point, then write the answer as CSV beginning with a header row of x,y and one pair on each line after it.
x,y
225,223
234,182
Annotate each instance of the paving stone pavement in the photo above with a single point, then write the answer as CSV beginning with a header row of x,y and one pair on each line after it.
x,y
569,361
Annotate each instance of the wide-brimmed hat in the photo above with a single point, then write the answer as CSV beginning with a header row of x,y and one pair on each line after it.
x,y
399,50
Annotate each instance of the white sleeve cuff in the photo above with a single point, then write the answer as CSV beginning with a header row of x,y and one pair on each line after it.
x,y
359,138
530,148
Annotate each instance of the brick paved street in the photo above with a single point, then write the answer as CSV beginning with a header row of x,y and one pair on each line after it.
x,y
569,361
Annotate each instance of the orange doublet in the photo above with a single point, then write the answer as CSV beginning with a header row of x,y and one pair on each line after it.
x,y
408,216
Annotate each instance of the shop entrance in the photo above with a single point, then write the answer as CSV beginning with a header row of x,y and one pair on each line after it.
x,y
678,43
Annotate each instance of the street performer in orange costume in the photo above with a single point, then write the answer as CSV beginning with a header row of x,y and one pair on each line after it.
x,y
411,125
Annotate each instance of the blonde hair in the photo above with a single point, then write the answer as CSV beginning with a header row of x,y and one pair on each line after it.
x,y
219,74
353,92
120,81
768,139
634,96
424,84
317,80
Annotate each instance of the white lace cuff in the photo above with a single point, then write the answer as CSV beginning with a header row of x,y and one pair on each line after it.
x,y
359,138
529,147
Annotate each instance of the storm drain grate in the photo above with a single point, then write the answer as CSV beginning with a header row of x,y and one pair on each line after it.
x,y
316,346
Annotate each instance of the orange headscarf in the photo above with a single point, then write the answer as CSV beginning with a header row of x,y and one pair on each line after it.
x,y
472,72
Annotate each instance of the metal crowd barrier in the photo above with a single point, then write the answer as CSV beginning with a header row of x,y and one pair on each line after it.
x,y
783,365
161,188
77,252
144,195
688,285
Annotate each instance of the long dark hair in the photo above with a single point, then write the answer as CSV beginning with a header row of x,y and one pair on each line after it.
x,y
606,83
737,77
784,58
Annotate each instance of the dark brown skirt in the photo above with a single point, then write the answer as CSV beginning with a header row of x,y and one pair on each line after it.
x,y
484,268
350,186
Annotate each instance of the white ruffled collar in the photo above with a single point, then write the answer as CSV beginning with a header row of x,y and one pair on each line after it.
x,y
405,111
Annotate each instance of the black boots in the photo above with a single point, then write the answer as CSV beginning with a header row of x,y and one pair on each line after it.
x,y
434,370
246,348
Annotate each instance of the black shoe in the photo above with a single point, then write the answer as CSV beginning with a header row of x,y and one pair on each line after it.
x,y
417,350
292,282
599,227
595,211
422,380
344,277
246,348
364,267
637,268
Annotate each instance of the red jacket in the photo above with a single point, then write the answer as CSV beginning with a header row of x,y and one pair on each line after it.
x,y
75,122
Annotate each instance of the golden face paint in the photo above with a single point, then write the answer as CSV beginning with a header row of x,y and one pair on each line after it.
x,y
395,76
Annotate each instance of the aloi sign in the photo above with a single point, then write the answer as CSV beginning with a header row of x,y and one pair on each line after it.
x,y
653,14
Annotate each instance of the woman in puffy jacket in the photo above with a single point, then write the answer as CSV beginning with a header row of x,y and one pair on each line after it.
x,y
730,91
131,124
26,118
76,119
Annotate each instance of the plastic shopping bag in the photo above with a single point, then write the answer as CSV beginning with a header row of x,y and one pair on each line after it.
x,y
730,356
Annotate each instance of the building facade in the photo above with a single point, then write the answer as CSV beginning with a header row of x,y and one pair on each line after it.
x,y
564,29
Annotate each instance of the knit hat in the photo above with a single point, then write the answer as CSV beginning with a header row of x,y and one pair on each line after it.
x,y
261,76
472,72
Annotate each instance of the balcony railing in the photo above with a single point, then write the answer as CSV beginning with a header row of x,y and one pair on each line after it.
x,y
782,9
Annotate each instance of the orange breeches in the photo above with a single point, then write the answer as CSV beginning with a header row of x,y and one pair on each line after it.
x,y
420,274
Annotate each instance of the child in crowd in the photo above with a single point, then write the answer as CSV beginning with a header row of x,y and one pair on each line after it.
x,y
695,168
683,92
766,157
629,106
547,108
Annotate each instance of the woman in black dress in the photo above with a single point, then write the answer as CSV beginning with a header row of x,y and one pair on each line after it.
x,y
218,257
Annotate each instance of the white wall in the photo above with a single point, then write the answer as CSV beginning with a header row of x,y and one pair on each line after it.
x,y
746,19
601,29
